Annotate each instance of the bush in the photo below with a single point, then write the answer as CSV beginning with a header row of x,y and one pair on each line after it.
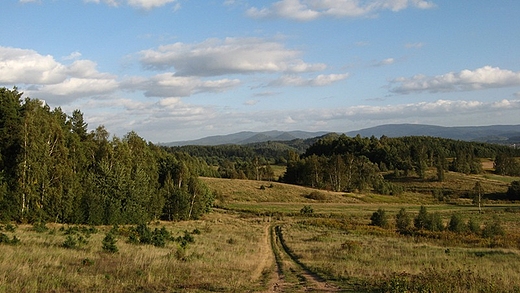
x,y
513,191
70,242
306,210
379,218
403,222
109,243
435,222
422,220
456,223
473,226
316,195
493,229
40,227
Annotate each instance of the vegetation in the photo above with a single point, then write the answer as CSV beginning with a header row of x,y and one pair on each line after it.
x,y
109,214
53,169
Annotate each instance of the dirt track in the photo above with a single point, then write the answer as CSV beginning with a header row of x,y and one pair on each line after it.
x,y
290,274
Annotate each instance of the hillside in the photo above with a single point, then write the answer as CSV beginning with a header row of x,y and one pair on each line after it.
x,y
248,137
503,134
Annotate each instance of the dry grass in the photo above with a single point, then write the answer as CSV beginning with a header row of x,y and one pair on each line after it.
x,y
231,253
222,258
373,260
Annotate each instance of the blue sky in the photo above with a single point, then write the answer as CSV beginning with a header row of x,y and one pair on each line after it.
x,y
183,69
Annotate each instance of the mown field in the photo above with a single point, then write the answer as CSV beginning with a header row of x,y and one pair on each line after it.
x,y
257,239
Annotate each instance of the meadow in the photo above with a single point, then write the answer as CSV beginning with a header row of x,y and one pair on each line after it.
x,y
274,237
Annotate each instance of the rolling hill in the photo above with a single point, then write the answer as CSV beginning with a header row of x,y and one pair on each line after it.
x,y
502,134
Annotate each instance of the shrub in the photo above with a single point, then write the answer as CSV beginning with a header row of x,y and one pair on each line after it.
x,y
403,221
306,210
4,238
513,191
40,227
473,226
316,195
10,228
109,243
435,222
456,223
422,219
493,229
379,218
70,242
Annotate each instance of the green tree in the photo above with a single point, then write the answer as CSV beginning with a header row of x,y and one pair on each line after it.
x,y
403,221
456,223
513,191
422,220
379,218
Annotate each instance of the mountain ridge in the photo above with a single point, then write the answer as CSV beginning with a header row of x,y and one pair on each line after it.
x,y
503,134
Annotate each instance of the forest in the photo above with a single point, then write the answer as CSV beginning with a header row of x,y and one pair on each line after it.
x,y
53,169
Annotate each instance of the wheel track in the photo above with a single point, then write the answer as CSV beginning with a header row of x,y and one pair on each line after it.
x,y
291,274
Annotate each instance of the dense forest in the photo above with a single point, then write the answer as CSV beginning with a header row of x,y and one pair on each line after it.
x,y
53,169
342,163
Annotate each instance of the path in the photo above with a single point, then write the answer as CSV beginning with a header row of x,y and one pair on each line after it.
x,y
290,274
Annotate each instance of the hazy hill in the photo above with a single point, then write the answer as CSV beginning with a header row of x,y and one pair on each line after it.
x,y
507,134
504,134
248,137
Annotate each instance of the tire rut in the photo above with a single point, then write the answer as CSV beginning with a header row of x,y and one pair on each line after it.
x,y
292,274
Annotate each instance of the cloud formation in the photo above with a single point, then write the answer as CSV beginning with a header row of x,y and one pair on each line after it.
x,y
170,85
320,80
142,4
307,10
49,79
465,80
216,57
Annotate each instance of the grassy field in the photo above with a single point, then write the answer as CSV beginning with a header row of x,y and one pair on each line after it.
x,y
258,240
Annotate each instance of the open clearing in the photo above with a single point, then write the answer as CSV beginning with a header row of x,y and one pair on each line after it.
x,y
257,240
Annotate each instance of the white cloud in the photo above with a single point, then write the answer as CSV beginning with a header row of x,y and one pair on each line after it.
x,y
306,10
45,78
73,56
29,67
141,4
75,88
465,80
170,85
387,61
320,80
229,56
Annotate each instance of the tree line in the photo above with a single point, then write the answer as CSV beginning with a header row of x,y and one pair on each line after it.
x,y
53,169
343,163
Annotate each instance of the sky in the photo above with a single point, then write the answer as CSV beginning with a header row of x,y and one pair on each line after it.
x,y
174,70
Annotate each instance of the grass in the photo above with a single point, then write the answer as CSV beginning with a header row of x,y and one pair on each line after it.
x,y
212,263
232,251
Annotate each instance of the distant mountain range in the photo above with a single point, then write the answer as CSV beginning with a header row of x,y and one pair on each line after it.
x,y
503,134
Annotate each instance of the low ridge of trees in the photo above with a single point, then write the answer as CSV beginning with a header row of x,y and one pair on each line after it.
x,y
342,163
53,169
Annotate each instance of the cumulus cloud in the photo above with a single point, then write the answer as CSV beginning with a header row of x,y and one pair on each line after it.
x,y
171,85
215,57
29,67
51,80
320,80
465,80
306,10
